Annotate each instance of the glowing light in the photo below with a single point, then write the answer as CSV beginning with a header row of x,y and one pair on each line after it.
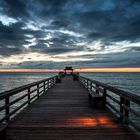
x,y
104,121
90,121
85,121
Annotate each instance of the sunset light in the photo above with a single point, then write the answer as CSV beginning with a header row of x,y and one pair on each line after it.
x,y
75,70
108,70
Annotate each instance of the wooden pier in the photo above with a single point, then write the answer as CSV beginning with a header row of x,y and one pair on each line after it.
x,y
62,113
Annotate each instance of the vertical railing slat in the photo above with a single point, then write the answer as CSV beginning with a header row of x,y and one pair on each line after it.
x,y
127,103
44,86
97,86
7,110
38,90
104,97
29,96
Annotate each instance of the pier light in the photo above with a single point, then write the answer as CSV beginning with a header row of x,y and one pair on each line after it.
x,y
91,121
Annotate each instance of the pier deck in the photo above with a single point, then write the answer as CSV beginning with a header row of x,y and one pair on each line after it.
x,y
63,113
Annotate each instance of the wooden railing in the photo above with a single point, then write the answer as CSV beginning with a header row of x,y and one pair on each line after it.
x,y
117,100
13,101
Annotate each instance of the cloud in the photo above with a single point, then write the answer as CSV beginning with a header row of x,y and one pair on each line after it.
x,y
16,8
87,29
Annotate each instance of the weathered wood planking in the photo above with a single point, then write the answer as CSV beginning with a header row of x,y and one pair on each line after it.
x,y
63,113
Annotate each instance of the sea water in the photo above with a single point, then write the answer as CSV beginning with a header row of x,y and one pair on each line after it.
x,y
126,81
10,80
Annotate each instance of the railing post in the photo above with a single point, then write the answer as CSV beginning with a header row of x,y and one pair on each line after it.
x,y
87,84
121,109
90,86
7,110
124,112
51,82
54,81
29,96
48,83
44,84
104,97
127,103
97,86
38,90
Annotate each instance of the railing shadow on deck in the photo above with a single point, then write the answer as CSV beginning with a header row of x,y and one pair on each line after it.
x,y
15,100
112,97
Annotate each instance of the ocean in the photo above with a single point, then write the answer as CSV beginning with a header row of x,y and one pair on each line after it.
x,y
125,81
10,80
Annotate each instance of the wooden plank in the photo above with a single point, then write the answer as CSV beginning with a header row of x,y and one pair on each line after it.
x,y
63,113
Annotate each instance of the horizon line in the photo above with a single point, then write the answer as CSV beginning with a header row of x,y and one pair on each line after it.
x,y
75,70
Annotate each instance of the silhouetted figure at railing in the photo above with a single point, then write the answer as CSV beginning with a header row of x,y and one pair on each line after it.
x,y
58,78
75,76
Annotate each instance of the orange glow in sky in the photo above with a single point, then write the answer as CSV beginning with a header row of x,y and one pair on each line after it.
x,y
75,70
29,70
108,70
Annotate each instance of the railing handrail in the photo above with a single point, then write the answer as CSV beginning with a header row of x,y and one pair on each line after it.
x,y
21,88
37,88
123,100
133,97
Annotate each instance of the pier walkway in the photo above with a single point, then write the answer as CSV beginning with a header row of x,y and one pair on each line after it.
x,y
63,113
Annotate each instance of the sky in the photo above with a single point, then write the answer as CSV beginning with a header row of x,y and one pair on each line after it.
x,y
52,34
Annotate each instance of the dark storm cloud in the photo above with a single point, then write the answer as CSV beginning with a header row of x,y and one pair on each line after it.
x,y
13,37
60,43
68,23
115,24
59,24
10,38
15,8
